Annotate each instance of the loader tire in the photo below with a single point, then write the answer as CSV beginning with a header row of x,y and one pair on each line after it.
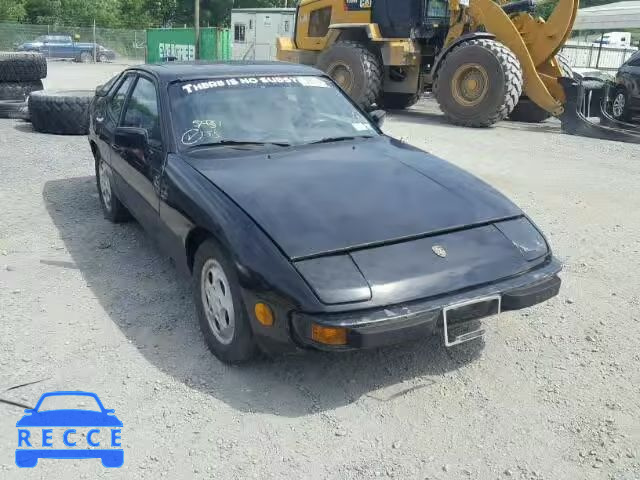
x,y
479,83
14,109
62,113
356,69
399,101
528,111
564,65
22,66
18,90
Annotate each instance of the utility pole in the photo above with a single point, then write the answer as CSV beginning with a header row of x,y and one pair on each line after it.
x,y
197,28
95,45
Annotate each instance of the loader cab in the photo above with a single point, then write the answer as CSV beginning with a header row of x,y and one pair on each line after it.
x,y
417,19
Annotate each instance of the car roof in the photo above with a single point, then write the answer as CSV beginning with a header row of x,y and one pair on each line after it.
x,y
177,71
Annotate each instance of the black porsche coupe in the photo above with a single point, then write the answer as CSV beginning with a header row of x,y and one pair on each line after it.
x,y
299,222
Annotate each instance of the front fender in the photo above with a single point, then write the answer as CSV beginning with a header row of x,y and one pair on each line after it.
x,y
190,202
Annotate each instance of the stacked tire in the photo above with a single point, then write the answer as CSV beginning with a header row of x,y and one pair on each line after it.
x,y
21,73
60,112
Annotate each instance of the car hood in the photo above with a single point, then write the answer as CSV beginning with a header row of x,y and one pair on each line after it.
x,y
324,198
69,418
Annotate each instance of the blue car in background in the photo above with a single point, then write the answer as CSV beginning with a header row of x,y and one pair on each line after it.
x,y
64,46
38,439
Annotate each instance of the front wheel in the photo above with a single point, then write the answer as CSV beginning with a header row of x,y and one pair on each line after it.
x,y
86,57
620,105
356,69
113,209
221,312
479,83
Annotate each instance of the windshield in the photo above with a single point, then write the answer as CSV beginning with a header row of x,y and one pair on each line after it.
x,y
274,110
69,402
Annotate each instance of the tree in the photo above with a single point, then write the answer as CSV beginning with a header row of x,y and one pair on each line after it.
x,y
42,11
12,10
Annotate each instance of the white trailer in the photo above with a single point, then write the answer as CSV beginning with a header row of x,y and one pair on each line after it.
x,y
255,31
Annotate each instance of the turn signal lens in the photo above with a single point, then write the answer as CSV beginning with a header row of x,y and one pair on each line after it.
x,y
329,335
264,314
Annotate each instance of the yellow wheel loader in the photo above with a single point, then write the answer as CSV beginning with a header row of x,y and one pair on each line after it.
x,y
481,58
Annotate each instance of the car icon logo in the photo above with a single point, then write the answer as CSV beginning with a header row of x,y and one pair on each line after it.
x,y
439,251
48,431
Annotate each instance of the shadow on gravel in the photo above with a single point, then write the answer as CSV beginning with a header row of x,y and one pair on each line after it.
x,y
421,117
151,304
24,127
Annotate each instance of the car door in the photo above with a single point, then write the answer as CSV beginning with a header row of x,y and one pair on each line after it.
x,y
634,80
106,117
138,170
65,48
57,45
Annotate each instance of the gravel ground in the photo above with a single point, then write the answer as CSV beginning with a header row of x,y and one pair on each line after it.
x,y
551,393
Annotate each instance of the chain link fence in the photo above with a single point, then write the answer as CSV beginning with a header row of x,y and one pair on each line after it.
x,y
127,44
599,57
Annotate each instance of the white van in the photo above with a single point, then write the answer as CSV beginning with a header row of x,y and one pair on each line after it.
x,y
614,39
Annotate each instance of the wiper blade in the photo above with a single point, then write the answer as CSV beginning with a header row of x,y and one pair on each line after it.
x,y
223,143
340,139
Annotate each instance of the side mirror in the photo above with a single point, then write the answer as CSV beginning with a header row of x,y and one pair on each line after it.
x,y
131,138
378,117
30,410
109,410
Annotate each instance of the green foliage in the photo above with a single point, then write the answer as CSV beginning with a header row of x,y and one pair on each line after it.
x,y
12,10
126,13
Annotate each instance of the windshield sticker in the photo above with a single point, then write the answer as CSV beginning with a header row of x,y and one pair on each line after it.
x,y
201,129
361,127
313,82
190,88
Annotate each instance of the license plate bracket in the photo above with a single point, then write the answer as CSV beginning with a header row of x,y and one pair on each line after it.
x,y
461,321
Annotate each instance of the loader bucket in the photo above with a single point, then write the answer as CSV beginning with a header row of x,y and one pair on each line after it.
x,y
587,112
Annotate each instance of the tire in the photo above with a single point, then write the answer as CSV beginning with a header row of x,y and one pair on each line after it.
x,y
487,62
112,207
85,57
228,335
620,105
22,66
566,68
14,109
398,101
62,113
528,111
360,68
17,109
102,58
18,90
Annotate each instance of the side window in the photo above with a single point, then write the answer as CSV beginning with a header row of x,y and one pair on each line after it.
x,y
319,22
635,62
117,101
142,110
239,33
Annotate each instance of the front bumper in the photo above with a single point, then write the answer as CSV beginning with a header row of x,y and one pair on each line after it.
x,y
405,322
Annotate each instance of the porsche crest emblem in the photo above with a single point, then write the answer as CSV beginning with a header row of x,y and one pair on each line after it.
x,y
439,251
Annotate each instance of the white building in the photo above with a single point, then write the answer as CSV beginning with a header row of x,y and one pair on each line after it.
x,y
255,31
